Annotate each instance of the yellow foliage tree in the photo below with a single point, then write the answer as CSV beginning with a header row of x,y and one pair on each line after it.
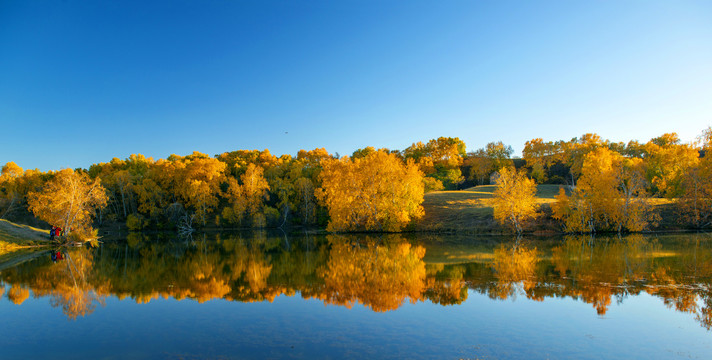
x,y
440,159
199,183
610,195
247,198
69,200
374,193
668,161
305,199
574,152
539,155
9,193
695,202
514,199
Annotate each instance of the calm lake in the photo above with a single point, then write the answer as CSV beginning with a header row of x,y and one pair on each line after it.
x,y
267,295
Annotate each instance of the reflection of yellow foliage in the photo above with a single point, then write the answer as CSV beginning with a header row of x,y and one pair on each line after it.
x,y
596,266
704,316
210,289
18,294
69,284
452,290
598,295
674,295
380,277
74,301
511,266
146,298
515,264
257,272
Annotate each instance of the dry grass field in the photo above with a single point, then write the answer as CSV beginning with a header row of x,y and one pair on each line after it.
x,y
470,210
14,236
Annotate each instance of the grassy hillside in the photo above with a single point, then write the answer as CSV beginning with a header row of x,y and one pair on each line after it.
x,y
470,210
14,236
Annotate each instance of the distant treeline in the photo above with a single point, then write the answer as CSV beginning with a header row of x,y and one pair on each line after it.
x,y
372,190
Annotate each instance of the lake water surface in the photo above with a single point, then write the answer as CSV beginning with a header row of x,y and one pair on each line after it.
x,y
265,295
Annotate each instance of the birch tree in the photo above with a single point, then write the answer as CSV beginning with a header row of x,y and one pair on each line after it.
x,y
70,200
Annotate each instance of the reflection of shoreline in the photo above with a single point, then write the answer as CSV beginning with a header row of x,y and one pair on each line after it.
x,y
378,272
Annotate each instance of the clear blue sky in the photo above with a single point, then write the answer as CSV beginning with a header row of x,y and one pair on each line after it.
x,y
84,81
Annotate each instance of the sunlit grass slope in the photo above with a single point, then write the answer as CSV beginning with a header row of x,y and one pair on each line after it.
x,y
470,209
14,236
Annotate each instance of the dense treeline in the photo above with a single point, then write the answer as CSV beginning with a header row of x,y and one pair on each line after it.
x,y
372,190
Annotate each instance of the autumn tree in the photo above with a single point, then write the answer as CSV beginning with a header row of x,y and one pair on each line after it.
x,y
668,160
611,195
196,182
281,180
362,153
118,184
439,159
695,201
514,199
247,199
539,156
254,188
493,157
291,186
305,199
374,193
238,161
69,200
15,185
10,195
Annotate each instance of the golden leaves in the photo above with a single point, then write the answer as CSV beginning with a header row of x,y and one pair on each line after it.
x,y
379,276
610,195
374,193
69,200
514,201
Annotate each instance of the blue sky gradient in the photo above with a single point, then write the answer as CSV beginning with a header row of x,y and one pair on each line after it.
x,y
84,81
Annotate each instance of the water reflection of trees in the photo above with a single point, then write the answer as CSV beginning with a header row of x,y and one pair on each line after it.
x,y
380,272
596,271
18,294
69,283
513,265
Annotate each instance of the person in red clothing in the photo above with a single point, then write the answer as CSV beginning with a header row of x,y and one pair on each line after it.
x,y
58,231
